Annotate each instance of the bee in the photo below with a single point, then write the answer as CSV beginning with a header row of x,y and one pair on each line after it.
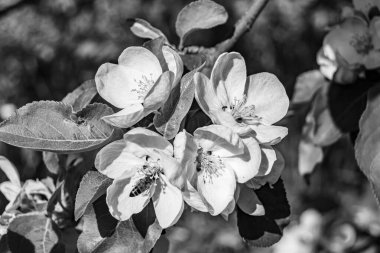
x,y
143,184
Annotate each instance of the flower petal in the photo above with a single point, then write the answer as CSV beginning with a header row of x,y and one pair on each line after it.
x,y
172,170
326,60
168,203
342,39
225,118
159,93
174,62
121,205
228,210
9,190
372,60
114,160
116,83
219,139
272,177
222,182
205,94
194,199
268,158
249,203
228,77
127,117
185,151
269,134
142,60
147,140
246,165
374,28
269,97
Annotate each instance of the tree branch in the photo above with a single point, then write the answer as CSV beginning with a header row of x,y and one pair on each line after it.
x,y
241,27
4,11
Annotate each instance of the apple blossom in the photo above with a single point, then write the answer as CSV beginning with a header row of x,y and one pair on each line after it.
x,y
249,105
143,168
137,84
215,160
353,44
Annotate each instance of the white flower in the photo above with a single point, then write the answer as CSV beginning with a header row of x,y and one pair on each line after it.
x,y
216,159
248,105
143,167
137,85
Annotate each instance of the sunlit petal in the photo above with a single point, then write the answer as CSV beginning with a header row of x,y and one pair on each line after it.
x,y
185,151
168,203
174,62
246,165
269,134
127,117
147,140
219,139
114,160
120,203
116,84
222,182
228,77
159,93
205,94
194,199
269,97
142,60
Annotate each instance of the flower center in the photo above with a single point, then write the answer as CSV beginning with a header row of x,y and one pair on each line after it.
x,y
240,112
144,84
209,164
362,43
151,171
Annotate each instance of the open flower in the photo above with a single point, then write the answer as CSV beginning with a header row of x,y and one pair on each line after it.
x,y
137,85
248,105
352,45
215,159
143,168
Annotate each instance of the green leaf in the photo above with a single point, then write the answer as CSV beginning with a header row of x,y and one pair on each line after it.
x,y
10,171
81,96
347,103
264,231
53,126
143,29
32,232
367,146
51,161
202,14
176,107
92,186
124,237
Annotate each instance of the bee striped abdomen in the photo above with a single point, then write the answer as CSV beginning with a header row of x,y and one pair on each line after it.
x,y
142,185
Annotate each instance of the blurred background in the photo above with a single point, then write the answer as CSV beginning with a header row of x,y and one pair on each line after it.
x,y
49,47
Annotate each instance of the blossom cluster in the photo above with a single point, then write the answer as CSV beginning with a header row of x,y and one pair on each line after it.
x,y
353,45
212,170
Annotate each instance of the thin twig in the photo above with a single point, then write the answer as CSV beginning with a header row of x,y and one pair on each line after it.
x,y
14,6
241,27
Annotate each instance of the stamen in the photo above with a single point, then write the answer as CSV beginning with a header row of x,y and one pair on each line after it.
x,y
209,164
144,85
362,43
241,112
